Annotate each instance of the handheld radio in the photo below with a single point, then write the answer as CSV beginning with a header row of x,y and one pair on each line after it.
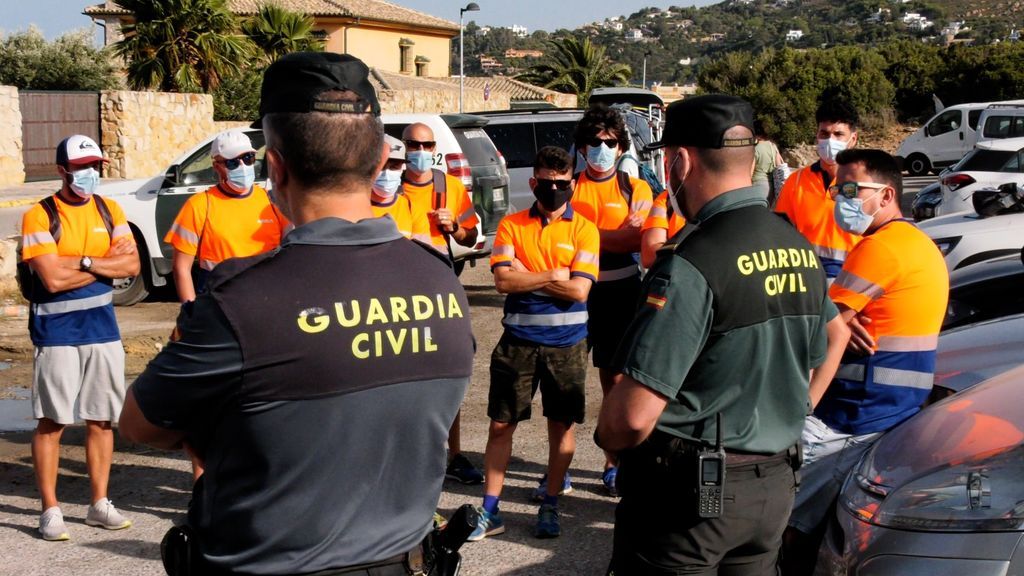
x,y
711,476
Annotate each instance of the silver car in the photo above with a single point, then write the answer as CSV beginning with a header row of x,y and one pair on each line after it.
x,y
965,237
942,494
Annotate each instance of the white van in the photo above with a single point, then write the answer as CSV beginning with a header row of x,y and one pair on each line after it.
x,y
1000,121
945,138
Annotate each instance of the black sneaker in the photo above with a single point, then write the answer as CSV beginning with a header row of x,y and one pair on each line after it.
x,y
462,470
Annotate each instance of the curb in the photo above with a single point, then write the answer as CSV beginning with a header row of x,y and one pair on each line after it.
x,y
18,202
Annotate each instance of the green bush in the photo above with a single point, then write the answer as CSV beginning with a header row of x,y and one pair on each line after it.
x,y
238,96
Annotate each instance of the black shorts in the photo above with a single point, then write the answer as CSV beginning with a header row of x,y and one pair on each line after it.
x,y
611,306
518,367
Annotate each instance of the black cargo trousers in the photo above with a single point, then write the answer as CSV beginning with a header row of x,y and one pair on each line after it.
x,y
658,532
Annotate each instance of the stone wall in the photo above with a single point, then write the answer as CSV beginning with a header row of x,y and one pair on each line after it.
x,y
12,166
441,101
142,132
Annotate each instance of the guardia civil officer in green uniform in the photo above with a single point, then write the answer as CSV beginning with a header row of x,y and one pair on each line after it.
x,y
731,321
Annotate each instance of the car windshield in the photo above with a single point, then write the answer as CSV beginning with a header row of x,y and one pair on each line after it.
x,y
978,424
987,161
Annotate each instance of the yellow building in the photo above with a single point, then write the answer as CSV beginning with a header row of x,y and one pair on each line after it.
x,y
384,35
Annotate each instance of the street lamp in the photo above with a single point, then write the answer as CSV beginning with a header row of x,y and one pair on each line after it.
x,y
471,7
644,81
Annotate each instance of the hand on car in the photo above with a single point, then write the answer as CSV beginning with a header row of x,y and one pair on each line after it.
x,y
860,340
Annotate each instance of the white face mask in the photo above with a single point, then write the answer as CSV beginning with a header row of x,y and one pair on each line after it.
x,y
829,148
84,182
387,183
680,189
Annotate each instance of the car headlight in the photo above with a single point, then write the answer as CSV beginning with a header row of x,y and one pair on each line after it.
x,y
946,245
984,495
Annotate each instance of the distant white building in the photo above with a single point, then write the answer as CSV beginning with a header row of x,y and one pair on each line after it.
x,y
685,61
794,35
915,21
634,35
880,15
614,25
1014,35
520,31
483,31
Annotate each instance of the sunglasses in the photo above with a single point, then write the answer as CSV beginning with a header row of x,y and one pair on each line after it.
x,y
609,142
249,158
420,144
851,189
545,184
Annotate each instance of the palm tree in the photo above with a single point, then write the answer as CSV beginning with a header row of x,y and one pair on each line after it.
x,y
181,45
576,67
277,31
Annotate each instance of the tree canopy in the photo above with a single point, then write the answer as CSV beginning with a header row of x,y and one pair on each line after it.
x,y
576,66
71,62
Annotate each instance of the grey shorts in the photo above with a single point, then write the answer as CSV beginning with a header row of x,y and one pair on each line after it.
x,y
829,455
91,373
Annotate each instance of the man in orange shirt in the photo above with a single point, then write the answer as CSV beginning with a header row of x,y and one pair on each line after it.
x,y
233,219
618,204
76,243
387,198
804,198
452,218
545,258
892,292
658,228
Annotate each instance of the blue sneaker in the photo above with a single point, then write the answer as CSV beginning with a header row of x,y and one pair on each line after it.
x,y
462,470
487,525
542,488
547,522
608,479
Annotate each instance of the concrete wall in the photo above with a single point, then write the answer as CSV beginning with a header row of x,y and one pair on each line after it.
x,y
142,132
12,166
438,101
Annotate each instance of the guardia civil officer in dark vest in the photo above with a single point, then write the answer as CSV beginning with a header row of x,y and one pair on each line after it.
x,y
317,382
730,324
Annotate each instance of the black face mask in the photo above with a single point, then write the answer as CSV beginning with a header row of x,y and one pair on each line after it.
x,y
552,194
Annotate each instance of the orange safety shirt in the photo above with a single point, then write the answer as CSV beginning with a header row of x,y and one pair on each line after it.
x,y
897,277
601,202
456,199
570,242
805,200
83,315
412,224
659,218
215,226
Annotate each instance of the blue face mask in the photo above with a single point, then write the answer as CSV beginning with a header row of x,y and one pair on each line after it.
x,y
241,179
419,161
850,216
387,183
84,182
601,158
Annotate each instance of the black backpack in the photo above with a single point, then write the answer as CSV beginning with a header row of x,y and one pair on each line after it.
x,y
25,274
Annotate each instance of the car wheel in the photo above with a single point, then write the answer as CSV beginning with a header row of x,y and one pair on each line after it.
x,y
459,266
918,165
131,291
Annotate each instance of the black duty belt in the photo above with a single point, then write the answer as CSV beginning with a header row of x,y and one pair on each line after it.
x,y
667,444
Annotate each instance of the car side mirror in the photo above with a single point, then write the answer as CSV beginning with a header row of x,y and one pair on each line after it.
x,y
173,175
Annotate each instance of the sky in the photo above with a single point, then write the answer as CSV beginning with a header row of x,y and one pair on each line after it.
x,y
54,17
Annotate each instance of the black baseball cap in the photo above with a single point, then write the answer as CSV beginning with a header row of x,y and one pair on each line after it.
x,y
702,121
295,81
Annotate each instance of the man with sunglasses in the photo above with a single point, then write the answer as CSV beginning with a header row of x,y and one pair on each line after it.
x,y
232,219
545,258
892,292
452,218
619,214
804,197
76,242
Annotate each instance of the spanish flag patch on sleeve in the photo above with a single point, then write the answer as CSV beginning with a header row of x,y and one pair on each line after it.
x,y
656,302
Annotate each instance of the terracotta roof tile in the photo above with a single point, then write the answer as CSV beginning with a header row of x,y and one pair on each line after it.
x,y
378,10
517,90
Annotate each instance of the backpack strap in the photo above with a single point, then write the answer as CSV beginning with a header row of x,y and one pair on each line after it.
x,y
625,187
104,210
49,205
440,188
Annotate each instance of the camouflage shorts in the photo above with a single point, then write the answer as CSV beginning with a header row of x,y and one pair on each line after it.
x,y
518,367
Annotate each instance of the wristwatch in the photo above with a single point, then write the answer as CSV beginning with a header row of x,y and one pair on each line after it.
x,y
85,264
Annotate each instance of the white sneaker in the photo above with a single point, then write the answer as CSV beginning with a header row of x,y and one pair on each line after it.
x,y
51,525
104,515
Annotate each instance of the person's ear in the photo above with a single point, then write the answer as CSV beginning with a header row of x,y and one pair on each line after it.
x,y
889,195
853,140
533,182
276,168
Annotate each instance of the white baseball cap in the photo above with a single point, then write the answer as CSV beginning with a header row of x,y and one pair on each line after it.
x,y
396,148
78,149
231,144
